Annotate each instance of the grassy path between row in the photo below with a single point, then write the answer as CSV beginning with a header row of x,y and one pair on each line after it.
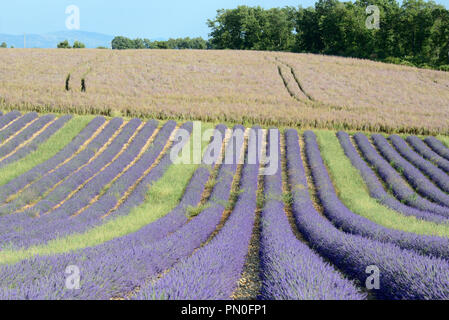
x,y
354,193
46,150
162,197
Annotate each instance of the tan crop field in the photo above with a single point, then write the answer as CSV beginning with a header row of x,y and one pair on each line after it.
x,y
267,88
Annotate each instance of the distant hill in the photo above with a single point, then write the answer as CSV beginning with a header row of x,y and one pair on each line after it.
x,y
50,40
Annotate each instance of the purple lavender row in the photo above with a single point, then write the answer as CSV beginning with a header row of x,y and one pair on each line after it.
x,y
118,266
438,176
375,187
438,147
7,118
404,274
91,169
34,144
345,219
428,153
213,271
60,223
38,171
290,270
24,135
393,179
51,226
63,173
416,179
93,215
16,126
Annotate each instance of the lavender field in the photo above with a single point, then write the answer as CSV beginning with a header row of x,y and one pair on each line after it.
x,y
95,207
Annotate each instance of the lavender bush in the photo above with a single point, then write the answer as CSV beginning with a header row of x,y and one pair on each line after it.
x,y
393,179
42,169
34,144
428,153
438,176
375,187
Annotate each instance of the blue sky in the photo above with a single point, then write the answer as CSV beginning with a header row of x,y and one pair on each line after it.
x,y
132,18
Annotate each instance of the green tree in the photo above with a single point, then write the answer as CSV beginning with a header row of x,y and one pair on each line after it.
x,y
64,45
78,45
122,43
3,45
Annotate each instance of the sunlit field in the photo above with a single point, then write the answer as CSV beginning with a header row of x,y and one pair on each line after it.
x,y
266,88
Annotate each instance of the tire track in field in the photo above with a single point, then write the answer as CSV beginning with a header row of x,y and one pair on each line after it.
x,y
302,94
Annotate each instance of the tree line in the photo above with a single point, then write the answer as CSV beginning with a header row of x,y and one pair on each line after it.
x,y
122,43
415,32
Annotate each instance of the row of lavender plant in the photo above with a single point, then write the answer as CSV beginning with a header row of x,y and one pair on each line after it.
x,y
7,118
58,223
41,170
96,172
375,187
14,127
64,174
23,136
427,152
438,147
213,271
438,176
34,144
403,274
394,180
120,265
416,179
94,215
289,268
350,222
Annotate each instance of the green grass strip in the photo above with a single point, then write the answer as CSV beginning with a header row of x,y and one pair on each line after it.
x,y
354,193
46,150
162,197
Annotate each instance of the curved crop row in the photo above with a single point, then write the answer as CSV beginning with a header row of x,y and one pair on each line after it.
x,y
33,143
62,222
126,262
7,118
213,271
24,135
289,268
394,181
16,126
427,152
375,187
34,192
438,176
58,222
37,172
67,189
404,274
438,147
345,219
416,179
